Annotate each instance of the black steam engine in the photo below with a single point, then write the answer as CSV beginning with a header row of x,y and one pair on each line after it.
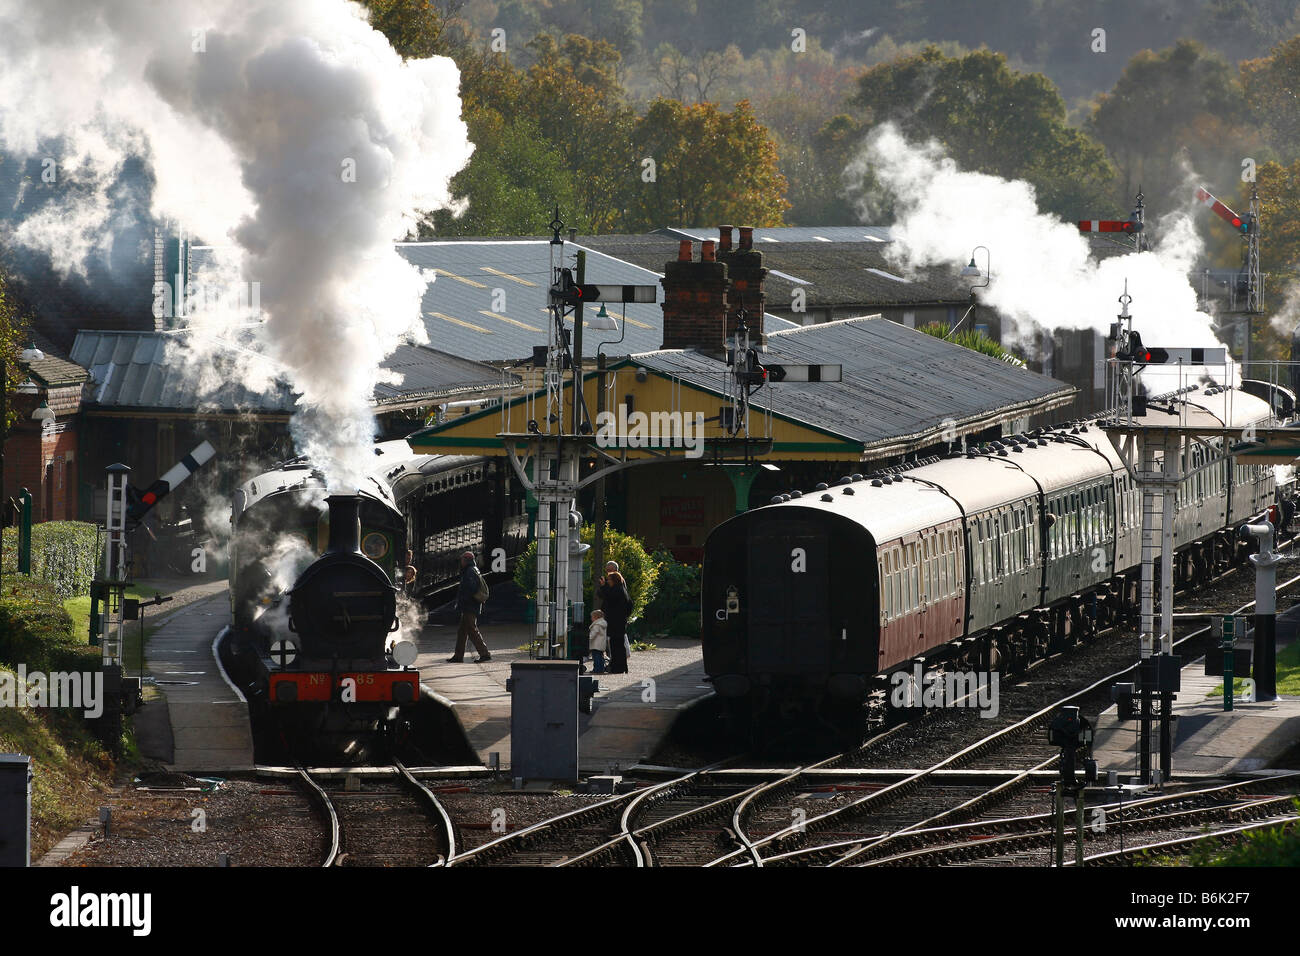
x,y
341,675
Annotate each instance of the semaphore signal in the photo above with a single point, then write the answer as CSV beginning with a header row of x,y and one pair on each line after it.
x,y
1222,211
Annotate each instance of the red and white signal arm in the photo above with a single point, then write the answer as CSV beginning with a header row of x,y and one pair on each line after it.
x,y
1222,211
1109,225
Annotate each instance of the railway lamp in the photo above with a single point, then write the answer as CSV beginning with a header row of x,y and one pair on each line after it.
x,y
1069,729
752,375
404,653
570,292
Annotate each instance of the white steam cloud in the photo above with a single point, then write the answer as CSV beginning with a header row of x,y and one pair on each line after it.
x,y
1043,273
287,131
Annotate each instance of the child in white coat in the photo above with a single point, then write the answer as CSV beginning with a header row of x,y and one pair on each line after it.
x,y
598,641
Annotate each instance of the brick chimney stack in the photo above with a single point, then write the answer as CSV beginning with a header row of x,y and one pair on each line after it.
x,y
746,272
695,299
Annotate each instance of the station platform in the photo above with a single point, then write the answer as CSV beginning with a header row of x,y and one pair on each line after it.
x,y
1209,741
192,720
632,715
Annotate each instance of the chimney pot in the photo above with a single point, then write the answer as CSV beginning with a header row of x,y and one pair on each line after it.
x,y
724,238
746,237
684,251
706,251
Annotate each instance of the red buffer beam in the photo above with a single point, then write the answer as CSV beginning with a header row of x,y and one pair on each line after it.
x,y
1222,211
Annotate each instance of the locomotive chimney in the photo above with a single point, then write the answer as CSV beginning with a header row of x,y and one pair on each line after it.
x,y
345,524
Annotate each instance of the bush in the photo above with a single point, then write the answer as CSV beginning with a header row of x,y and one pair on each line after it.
x,y
685,624
638,568
65,554
36,630
1276,846
677,596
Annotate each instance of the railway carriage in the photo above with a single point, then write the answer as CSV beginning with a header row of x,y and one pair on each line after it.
x,y
987,559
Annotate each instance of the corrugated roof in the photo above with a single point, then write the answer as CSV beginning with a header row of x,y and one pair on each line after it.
x,y
836,274
771,235
898,385
473,276
130,371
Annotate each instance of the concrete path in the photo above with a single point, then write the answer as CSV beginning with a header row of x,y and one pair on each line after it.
x,y
205,718
633,711
1209,741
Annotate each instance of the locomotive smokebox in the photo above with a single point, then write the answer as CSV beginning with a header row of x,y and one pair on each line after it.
x,y
343,606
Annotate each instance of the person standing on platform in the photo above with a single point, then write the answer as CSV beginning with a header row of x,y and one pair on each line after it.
x,y
617,606
598,641
472,593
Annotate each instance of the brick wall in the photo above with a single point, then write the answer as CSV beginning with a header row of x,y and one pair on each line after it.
x,y
745,273
46,465
703,299
695,301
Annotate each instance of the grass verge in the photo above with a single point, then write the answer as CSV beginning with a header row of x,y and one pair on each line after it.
x,y
72,770
1288,674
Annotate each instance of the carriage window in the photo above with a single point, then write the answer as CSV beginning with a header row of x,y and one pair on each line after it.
x,y
941,566
897,586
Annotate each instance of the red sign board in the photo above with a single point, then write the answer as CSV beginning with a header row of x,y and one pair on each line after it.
x,y
679,512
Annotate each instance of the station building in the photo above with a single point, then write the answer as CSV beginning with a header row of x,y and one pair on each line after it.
x,y
903,395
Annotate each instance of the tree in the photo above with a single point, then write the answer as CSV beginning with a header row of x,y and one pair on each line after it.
x,y
692,77
992,120
1272,90
418,29
710,166
10,345
513,182
1279,194
1180,107
575,95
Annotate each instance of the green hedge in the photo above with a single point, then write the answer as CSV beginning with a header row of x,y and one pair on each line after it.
x,y
36,630
675,608
638,568
65,554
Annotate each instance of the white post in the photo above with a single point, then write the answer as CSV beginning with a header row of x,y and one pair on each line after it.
x,y
114,565
1146,475
1172,472
543,484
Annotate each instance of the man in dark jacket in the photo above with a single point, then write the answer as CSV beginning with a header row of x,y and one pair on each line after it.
x,y
469,609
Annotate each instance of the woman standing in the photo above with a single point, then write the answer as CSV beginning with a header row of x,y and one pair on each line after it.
x,y
617,605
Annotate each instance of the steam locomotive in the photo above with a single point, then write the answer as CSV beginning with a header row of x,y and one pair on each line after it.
x,y
984,560
324,622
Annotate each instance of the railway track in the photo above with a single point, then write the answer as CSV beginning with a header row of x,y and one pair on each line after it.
x,y
392,821
876,813
705,818
1008,838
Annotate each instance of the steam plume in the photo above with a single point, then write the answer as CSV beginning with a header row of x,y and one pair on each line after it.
x,y
1044,275
289,132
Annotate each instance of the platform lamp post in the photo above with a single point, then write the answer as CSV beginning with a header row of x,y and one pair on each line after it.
x,y
972,271
26,357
